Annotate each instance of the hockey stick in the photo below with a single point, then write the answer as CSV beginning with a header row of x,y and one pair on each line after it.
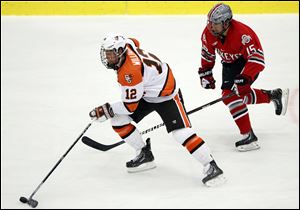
x,y
91,143
33,203
96,145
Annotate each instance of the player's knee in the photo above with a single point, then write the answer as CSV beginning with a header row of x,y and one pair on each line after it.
x,y
188,139
119,120
229,100
180,135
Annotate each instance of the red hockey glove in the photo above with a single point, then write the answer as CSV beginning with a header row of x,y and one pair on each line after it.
x,y
102,113
242,85
206,78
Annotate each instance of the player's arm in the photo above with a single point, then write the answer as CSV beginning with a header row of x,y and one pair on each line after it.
x,y
132,89
207,63
131,96
254,56
130,79
255,63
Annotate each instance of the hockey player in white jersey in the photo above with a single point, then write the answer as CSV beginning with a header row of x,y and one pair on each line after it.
x,y
148,84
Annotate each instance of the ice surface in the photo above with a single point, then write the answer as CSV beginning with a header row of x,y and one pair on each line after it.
x,y
51,77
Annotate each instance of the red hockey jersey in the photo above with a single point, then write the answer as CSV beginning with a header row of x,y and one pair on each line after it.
x,y
240,40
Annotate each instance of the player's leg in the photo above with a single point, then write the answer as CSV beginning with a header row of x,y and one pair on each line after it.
x,y
278,96
240,115
238,109
144,159
176,120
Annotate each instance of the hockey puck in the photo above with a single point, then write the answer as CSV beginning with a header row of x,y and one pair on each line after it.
x,y
23,199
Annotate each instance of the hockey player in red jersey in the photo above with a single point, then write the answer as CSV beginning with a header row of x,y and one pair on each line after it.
x,y
242,59
147,84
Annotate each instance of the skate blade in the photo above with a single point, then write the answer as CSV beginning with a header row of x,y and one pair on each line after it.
x,y
285,100
248,147
219,180
143,167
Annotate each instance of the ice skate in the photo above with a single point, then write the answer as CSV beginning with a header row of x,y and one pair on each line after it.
x,y
213,175
280,99
249,142
143,161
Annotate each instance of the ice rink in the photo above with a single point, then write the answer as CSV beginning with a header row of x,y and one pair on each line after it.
x,y
52,76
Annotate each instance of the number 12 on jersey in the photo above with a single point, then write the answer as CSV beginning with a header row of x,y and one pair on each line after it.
x,y
130,94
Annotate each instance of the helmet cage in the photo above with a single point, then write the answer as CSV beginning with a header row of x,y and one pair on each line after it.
x,y
112,50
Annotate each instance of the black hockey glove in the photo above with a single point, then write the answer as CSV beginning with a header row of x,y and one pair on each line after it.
x,y
206,78
242,85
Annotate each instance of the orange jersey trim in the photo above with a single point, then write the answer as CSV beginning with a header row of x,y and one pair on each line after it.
x,y
131,107
136,42
182,112
130,74
170,84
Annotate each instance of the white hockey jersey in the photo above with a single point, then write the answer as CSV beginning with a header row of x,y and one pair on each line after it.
x,y
143,75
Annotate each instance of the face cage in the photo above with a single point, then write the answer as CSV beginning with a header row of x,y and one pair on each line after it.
x,y
105,61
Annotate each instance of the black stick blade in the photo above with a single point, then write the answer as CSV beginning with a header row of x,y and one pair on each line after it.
x,y
32,203
96,145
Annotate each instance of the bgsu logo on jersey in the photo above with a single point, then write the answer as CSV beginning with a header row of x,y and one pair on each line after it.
x,y
128,78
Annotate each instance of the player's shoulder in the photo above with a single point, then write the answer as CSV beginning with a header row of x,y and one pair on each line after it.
x,y
241,28
133,42
207,38
243,32
130,73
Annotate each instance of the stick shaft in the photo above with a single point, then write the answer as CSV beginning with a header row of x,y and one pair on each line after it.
x,y
59,161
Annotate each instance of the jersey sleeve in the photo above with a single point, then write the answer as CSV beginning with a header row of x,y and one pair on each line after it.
x,y
208,55
253,54
133,42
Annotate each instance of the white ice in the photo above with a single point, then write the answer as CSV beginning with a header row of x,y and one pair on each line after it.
x,y
52,76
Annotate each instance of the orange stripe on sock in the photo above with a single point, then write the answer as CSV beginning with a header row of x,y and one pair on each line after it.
x,y
125,130
193,143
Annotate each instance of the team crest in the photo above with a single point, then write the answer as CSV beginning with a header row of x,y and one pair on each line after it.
x,y
246,39
128,78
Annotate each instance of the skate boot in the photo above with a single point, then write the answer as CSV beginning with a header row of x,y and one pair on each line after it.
x,y
213,175
280,99
249,142
143,161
